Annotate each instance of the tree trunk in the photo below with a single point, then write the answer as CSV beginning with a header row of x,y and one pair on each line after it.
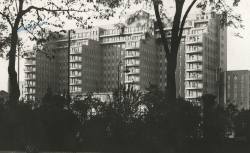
x,y
172,51
14,88
172,56
171,88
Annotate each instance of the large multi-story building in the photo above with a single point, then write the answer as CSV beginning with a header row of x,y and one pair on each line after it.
x,y
99,56
206,55
235,88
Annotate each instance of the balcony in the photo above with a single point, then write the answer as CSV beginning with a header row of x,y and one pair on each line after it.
x,y
134,71
79,82
110,41
132,47
194,68
200,20
133,80
137,63
30,57
114,32
133,55
30,63
194,78
194,42
75,75
30,70
29,92
30,78
199,86
76,91
76,60
75,52
76,68
199,51
190,60
30,85
192,96
110,33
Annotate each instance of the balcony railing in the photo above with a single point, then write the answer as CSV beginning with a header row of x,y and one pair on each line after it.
x,y
199,59
196,41
194,51
133,63
194,77
75,75
134,71
132,46
113,40
193,95
132,55
30,69
76,82
29,85
113,32
29,92
31,56
169,26
133,80
30,62
75,59
77,90
76,67
194,68
30,78
118,31
76,52
197,86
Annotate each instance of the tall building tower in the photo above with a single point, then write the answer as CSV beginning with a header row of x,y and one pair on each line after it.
x,y
205,55
96,55
129,46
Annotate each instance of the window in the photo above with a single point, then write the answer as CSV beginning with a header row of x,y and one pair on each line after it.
x,y
235,78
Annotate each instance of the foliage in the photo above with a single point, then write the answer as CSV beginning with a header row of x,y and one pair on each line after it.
x,y
224,121
242,124
129,122
170,123
31,16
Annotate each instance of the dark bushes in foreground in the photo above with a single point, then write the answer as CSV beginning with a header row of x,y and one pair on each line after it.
x,y
131,121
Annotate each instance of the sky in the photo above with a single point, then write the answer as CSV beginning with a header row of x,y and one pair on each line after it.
x,y
238,49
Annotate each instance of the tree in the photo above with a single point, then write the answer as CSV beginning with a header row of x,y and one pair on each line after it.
x,y
168,126
60,123
227,18
224,126
24,15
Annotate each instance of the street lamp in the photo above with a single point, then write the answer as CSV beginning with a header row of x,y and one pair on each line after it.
x,y
118,75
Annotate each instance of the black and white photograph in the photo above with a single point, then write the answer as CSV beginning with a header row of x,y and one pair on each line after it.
x,y
124,76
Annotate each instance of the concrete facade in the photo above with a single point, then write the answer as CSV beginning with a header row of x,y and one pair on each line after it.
x,y
206,55
235,88
95,55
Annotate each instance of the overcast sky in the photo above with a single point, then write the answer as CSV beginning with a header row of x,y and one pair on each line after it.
x,y
238,49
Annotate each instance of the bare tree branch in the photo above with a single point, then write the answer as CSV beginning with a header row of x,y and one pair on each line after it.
x,y
49,10
184,19
160,26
